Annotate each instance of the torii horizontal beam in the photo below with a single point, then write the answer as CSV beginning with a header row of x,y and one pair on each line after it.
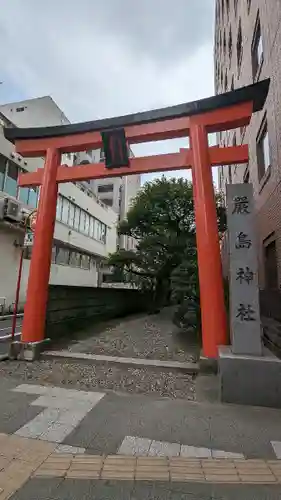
x,y
174,116
157,163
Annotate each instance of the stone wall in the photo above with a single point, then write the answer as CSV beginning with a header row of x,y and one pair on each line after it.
x,y
72,308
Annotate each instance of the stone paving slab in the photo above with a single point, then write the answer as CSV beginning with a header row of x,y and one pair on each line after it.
x,y
188,367
64,411
133,445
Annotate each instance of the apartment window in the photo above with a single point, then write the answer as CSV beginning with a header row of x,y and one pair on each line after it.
x,y
71,215
247,176
33,197
230,46
24,195
242,134
85,261
224,43
62,256
235,6
239,47
103,233
3,164
54,253
77,218
59,208
92,226
227,7
75,259
65,211
263,152
225,82
270,265
20,110
11,185
87,223
230,174
108,201
82,222
249,2
97,232
105,188
257,50
222,8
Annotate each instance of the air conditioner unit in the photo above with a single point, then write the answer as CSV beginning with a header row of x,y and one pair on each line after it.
x,y
12,210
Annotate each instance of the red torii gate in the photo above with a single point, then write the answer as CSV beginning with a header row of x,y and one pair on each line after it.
x,y
196,119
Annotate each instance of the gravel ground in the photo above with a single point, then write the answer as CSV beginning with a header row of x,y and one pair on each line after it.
x,y
102,377
151,337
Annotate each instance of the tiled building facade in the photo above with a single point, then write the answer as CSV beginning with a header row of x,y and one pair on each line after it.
x,y
248,49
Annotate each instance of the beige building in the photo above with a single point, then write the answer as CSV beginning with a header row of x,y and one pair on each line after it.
x,y
247,49
115,192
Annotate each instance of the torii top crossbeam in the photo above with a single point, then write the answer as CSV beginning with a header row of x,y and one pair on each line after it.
x,y
195,119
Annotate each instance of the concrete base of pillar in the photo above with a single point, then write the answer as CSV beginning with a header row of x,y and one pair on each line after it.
x,y
249,380
208,365
27,351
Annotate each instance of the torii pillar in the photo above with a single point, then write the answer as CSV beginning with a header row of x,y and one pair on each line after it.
x,y
196,119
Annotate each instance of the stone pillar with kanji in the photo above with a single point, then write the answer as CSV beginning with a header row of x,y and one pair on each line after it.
x,y
245,323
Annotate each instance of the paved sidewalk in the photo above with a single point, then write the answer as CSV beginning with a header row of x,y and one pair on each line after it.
x,y
62,443
103,422
30,469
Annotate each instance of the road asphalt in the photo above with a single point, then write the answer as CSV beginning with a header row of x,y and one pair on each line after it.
x,y
5,333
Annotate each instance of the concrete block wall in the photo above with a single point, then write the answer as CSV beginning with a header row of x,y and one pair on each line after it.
x,y
72,308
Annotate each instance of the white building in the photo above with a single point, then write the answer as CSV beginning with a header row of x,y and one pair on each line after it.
x,y
116,192
86,228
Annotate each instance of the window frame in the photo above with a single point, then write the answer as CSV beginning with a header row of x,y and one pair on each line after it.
x,y
239,47
268,243
263,170
256,60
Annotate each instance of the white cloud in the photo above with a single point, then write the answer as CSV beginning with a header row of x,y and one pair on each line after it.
x,y
107,58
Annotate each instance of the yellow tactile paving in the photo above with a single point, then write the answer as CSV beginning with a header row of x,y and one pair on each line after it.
x,y
22,458
19,459
164,469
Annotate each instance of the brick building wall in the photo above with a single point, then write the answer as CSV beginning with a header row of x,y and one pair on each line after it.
x,y
248,49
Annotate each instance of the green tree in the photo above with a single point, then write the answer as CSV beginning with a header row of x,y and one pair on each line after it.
x,y
163,223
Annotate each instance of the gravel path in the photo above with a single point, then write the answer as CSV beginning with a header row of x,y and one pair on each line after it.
x,y
151,337
101,377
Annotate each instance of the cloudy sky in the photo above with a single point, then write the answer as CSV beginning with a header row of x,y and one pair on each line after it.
x,y
106,58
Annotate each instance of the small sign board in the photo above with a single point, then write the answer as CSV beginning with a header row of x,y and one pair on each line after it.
x,y
244,285
28,238
115,148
